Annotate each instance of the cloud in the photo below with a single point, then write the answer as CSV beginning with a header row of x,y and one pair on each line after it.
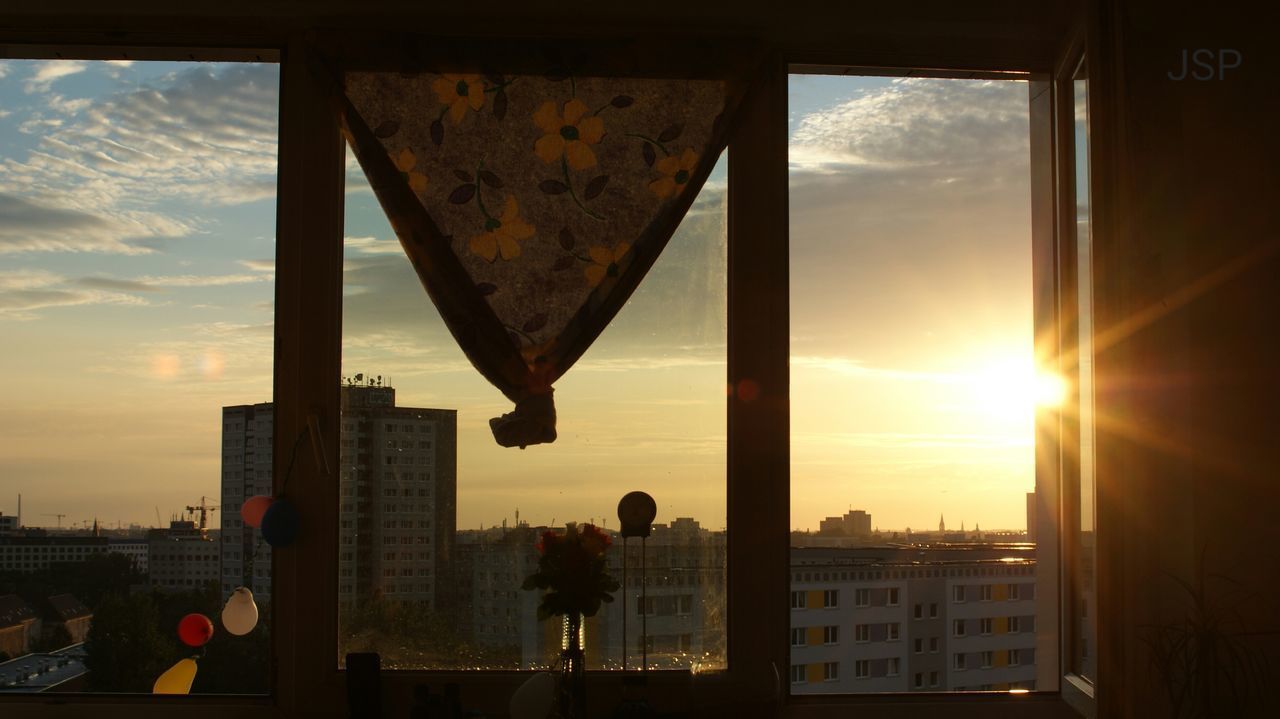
x,y
24,291
373,246
50,71
260,265
948,125
204,136
27,225
158,283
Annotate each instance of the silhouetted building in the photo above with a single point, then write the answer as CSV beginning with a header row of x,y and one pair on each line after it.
x,y
246,472
182,557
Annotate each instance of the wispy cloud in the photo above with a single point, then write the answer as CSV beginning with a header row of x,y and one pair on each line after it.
x,y
204,136
373,246
22,292
27,225
157,283
50,71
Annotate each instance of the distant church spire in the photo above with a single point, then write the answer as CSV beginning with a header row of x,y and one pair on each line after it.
x,y
942,524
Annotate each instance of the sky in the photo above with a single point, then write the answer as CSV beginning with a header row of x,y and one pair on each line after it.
x,y
136,245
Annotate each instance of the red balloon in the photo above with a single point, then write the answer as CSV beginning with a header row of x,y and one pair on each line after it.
x,y
195,630
253,509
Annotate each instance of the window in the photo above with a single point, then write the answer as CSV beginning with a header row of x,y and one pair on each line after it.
x,y
958,662
862,633
918,682
918,612
861,669
986,593
1015,656
1081,508
918,645
862,597
958,593
933,679
1013,592
987,659
830,598
933,645
799,600
1014,625
798,673
830,671
893,597
831,635
895,666
893,631
798,637
957,627
137,276
685,397
933,610
984,625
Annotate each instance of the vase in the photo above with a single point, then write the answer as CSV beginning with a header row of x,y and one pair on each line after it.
x,y
571,696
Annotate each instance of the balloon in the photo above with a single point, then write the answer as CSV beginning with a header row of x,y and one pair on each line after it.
x,y
253,509
280,523
240,615
195,629
177,678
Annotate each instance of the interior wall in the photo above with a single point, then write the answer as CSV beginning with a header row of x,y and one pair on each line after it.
x,y
1187,278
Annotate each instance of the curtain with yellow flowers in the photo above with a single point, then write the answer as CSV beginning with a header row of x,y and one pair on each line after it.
x,y
532,205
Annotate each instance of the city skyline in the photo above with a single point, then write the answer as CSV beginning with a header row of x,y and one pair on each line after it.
x,y
138,281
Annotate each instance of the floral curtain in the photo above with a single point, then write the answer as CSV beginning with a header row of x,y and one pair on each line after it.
x,y
531,206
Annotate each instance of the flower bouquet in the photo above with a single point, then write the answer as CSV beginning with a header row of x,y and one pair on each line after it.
x,y
572,571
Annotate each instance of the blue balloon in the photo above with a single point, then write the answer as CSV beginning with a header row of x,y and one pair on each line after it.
x,y
280,523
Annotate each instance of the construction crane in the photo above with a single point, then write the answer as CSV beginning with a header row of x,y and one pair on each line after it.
x,y
59,516
204,507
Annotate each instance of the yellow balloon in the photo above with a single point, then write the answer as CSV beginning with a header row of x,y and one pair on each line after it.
x,y
177,678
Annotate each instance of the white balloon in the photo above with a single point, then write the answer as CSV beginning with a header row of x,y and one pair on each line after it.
x,y
534,698
240,615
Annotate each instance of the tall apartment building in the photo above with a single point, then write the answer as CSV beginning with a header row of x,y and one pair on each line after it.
x,y
911,619
246,472
398,482
397,479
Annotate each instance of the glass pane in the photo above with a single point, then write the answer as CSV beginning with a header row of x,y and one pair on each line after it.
x,y
137,221
1084,659
438,524
913,386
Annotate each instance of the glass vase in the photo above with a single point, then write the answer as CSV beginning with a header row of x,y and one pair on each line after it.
x,y
571,696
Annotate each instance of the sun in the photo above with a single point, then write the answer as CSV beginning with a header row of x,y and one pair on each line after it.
x,y
1011,388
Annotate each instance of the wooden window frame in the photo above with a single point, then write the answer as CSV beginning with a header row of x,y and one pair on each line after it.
x,y
311,161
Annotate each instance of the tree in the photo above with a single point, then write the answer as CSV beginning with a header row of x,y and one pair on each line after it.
x,y
127,647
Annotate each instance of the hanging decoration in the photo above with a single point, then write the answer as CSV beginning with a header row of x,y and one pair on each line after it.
x,y
176,679
240,614
531,205
280,523
195,630
253,509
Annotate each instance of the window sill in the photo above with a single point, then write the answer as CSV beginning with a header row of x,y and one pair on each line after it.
x,y
984,705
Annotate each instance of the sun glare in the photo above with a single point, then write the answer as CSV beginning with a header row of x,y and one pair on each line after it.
x,y
1015,389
